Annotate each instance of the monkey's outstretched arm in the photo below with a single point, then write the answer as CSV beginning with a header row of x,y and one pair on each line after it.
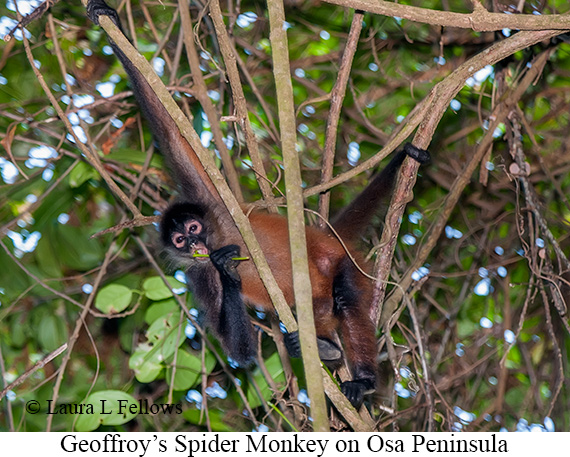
x,y
183,160
233,327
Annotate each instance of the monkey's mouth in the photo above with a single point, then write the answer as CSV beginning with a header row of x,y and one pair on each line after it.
x,y
200,253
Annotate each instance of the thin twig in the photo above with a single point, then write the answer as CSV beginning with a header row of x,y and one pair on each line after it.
x,y
337,97
30,371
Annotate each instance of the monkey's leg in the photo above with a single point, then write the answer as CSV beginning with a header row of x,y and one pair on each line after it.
x,y
329,352
350,292
325,326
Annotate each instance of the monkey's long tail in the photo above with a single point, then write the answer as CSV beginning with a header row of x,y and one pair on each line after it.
x,y
351,222
353,219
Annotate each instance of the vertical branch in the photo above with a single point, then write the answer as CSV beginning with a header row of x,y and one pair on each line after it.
x,y
556,350
425,368
337,96
297,239
205,101
402,195
4,386
229,54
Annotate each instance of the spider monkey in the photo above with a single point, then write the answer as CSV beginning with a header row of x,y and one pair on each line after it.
x,y
200,224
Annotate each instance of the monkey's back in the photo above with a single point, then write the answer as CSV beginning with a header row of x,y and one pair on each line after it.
x,y
325,255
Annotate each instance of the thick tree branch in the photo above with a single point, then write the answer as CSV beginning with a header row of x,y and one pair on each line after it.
x,y
302,287
480,19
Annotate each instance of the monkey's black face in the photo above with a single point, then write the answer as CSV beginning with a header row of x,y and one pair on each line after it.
x,y
183,233
188,238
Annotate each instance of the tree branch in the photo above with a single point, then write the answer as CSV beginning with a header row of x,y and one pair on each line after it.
x,y
479,20
302,287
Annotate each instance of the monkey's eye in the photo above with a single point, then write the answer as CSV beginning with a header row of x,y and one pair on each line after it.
x,y
178,240
193,227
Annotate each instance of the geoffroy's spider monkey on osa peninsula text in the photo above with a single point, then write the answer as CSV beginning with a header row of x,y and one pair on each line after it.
x,y
200,224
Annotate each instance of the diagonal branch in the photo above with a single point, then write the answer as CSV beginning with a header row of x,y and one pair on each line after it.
x,y
337,97
384,314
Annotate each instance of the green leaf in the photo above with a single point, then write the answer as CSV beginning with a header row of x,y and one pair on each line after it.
x,y
48,255
155,289
216,417
51,332
75,248
163,338
189,369
113,298
110,407
165,335
146,367
81,172
130,156
160,309
18,331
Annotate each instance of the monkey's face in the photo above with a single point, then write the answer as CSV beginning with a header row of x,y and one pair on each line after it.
x,y
188,238
184,234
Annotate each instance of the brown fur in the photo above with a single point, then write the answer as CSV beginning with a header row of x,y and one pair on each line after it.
x,y
326,256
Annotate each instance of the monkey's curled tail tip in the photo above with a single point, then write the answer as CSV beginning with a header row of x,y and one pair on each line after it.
x,y
420,155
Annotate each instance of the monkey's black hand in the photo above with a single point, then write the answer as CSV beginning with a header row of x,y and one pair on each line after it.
x,y
222,260
328,351
292,344
354,391
96,8
420,155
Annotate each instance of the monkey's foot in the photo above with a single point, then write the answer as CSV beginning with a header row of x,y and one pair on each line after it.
x,y
420,155
328,351
354,391
96,8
